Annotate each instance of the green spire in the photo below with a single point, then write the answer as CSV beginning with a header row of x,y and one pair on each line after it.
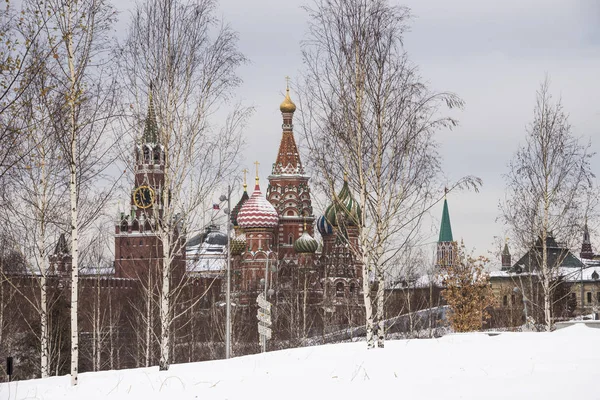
x,y
506,252
151,127
445,228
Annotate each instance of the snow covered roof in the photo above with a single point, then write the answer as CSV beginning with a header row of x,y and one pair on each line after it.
x,y
588,273
206,252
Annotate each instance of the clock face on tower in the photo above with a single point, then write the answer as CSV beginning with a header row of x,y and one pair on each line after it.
x,y
143,197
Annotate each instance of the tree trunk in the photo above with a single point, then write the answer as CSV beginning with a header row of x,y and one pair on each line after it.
x,y
165,324
73,196
44,332
148,319
380,308
369,317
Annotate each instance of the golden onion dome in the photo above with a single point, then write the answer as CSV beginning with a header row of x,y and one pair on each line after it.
x,y
287,106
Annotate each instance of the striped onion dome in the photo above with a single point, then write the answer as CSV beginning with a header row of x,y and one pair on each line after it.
x,y
323,226
257,212
238,244
346,205
306,243
238,206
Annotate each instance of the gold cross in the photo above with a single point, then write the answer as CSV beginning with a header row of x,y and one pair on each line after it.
x,y
287,82
257,164
245,170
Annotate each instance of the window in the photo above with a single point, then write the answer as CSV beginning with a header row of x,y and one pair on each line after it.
x,y
513,299
589,297
339,290
291,240
598,297
146,155
505,301
352,289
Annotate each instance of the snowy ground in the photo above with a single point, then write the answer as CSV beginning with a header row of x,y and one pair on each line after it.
x,y
561,365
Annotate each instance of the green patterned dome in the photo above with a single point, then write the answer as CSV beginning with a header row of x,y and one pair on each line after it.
x,y
344,205
238,244
306,243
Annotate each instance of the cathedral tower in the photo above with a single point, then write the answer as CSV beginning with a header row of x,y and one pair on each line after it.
x,y
446,247
288,188
258,219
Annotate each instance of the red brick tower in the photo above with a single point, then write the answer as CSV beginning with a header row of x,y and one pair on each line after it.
x,y
288,189
137,247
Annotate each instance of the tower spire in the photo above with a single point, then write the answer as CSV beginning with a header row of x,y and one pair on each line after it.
x,y
586,246
445,228
151,127
288,158
506,257
447,249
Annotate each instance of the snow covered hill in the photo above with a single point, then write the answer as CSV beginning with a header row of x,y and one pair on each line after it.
x,y
561,365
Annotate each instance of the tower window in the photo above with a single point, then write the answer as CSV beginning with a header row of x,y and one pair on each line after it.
x,y
339,290
352,289
124,226
146,155
505,301
157,155
589,297
291,240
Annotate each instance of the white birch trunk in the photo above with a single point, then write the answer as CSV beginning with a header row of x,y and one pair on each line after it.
x,y
380,314
42,262
73,196
148,319
44,345
165,322
369,323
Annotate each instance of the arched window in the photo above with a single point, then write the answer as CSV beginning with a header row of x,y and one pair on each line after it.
x,y
352,289
291,240
135,225
124,226
339,290
146,155
157,155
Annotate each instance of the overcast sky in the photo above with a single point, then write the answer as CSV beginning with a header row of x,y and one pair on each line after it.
x,y
494,54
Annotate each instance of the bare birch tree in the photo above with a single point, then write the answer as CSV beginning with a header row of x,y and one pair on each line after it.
x,y
367,112
548,183
35,202
76,32
190,58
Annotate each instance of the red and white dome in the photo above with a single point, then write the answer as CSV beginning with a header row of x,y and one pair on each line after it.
x,y
257,212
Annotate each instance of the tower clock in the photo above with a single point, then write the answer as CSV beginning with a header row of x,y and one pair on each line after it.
x,y
143,197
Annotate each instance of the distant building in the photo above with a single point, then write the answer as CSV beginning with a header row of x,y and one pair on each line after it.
x,y
576,280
